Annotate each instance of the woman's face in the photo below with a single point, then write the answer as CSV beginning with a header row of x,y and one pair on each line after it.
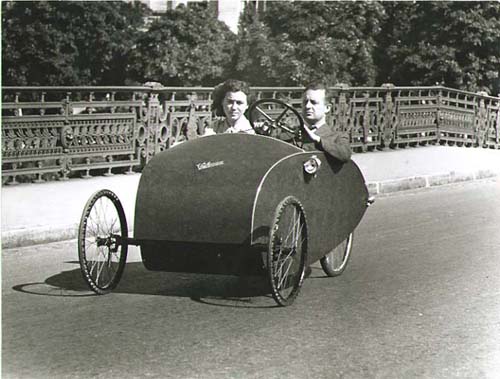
x,y
234,105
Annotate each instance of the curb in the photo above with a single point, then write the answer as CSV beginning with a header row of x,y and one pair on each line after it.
x,y
36,236
426,181
41,235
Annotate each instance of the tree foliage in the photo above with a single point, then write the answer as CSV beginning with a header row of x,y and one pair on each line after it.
x,y
186,46
68,42
295,42
363,43
456,44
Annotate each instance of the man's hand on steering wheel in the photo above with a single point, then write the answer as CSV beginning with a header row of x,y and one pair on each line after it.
x,y
276,127
311,134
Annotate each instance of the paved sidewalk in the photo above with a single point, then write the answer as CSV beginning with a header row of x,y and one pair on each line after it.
x,y
47,212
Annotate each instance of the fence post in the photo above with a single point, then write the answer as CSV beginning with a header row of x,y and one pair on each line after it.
x,y
342,113
152,121
438,115
481,124
366,122
192,126
497,126
65,162
387,127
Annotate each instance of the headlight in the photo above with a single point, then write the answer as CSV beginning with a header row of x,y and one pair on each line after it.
x,y
312,165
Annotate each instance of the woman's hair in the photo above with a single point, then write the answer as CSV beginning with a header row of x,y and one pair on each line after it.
x,y
230,85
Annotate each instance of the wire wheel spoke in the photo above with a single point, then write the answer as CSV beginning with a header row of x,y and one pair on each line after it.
x,y
287,251
102,259
282,274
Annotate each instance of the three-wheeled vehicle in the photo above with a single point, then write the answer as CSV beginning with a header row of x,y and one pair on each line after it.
x,y
235,204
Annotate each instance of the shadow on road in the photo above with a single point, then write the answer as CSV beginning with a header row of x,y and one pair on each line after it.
x,y
219,290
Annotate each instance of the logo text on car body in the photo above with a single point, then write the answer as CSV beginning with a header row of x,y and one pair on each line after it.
x,y
204,165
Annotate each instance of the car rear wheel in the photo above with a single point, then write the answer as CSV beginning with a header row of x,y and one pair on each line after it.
x,y
287,251
335,262
102,241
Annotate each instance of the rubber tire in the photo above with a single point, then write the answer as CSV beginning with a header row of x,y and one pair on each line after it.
x,y
278,294
83,237
326,260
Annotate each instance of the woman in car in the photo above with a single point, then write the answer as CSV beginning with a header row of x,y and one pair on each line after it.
x,y
230,102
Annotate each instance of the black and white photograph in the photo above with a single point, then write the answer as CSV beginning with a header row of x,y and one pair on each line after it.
x,y
250,189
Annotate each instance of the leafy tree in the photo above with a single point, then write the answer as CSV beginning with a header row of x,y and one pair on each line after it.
x,y
186,46
68,42
456,44
294,42
358,43
257,59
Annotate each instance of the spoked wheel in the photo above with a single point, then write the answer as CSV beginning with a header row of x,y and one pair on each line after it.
x,y
275,118
102,241
287,251
335,262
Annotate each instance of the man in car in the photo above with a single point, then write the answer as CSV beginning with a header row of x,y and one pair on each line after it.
x,y
320,135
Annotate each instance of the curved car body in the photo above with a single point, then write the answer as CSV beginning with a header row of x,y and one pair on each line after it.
x,y
207,205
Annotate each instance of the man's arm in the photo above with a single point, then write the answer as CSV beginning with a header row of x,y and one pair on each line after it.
x,y
336,144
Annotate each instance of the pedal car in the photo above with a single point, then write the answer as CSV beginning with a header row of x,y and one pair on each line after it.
x,y
234,204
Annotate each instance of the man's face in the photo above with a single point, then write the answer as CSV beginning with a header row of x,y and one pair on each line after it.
x,y
234,104
314,108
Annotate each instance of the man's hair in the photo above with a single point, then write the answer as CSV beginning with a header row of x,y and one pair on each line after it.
x,y
230,85
318,85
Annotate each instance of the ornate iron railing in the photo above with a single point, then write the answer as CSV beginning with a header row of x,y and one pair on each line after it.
x,y
58,132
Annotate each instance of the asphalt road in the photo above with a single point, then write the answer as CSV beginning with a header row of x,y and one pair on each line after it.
x,y
420,298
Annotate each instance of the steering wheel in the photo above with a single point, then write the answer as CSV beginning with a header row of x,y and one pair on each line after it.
x,y
263,122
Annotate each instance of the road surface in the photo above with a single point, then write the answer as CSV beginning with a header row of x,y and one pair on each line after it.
x,y
419,298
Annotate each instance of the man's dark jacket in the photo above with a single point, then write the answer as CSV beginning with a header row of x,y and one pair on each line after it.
x,y
332,142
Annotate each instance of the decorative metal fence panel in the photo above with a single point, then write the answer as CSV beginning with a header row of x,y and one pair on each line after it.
x,y
490,127
363,119
57,132
60,132
458,117
416,117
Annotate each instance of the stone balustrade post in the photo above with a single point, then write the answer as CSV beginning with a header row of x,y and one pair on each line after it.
x,y
387,126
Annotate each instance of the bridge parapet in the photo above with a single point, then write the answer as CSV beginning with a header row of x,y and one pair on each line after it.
x,y
59,132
